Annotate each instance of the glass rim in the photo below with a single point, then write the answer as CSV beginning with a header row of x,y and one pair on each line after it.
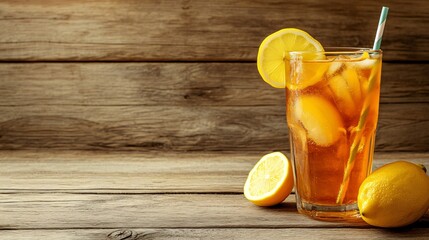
x,y
341,51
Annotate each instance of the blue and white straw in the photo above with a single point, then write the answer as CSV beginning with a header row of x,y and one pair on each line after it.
x,y
380,28
362,119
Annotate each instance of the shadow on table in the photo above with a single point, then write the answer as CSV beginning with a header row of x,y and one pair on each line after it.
x,y
284,207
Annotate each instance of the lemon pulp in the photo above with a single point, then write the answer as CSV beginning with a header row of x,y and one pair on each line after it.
x,y
274,51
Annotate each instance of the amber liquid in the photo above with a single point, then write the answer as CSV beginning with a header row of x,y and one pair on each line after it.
x,y
348,88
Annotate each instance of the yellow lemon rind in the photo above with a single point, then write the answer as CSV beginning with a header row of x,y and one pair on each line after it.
x,y
281,83
282,189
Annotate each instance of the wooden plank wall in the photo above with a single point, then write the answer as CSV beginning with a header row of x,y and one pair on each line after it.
x,y
181,76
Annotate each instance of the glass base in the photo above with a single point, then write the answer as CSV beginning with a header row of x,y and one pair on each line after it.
x,y
343,213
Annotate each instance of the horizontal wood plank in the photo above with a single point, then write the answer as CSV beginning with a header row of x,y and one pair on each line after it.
x,y
29,210
203,30
155,172
61,210
220,233
178,84
188,128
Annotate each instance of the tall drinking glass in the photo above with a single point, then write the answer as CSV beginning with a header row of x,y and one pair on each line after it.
x,y
332,106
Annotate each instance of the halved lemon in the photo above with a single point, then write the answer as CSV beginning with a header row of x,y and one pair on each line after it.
x,y
274,50
270,181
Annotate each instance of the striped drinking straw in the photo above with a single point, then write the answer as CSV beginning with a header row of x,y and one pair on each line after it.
x,y
362,119
380,28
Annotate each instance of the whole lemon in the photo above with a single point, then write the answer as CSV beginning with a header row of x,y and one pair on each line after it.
x,y
395,195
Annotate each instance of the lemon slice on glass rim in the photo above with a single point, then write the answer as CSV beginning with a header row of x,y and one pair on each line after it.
x,y
275,48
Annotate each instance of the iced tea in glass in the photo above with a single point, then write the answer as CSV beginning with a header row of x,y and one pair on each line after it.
x,y
332,106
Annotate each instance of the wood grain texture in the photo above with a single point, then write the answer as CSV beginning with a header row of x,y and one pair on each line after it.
x,y
62,210
202,30
181,84
402,127
179,107
31,210
220,233
176,115
155,172
143,215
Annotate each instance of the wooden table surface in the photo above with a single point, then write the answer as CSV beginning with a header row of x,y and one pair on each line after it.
x,y
86,195
141,119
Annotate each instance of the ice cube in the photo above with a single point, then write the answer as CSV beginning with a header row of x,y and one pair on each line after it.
x,y
374,77
342,95
344,58
365,64
335,67
320,119
352,79
366,69
306,75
